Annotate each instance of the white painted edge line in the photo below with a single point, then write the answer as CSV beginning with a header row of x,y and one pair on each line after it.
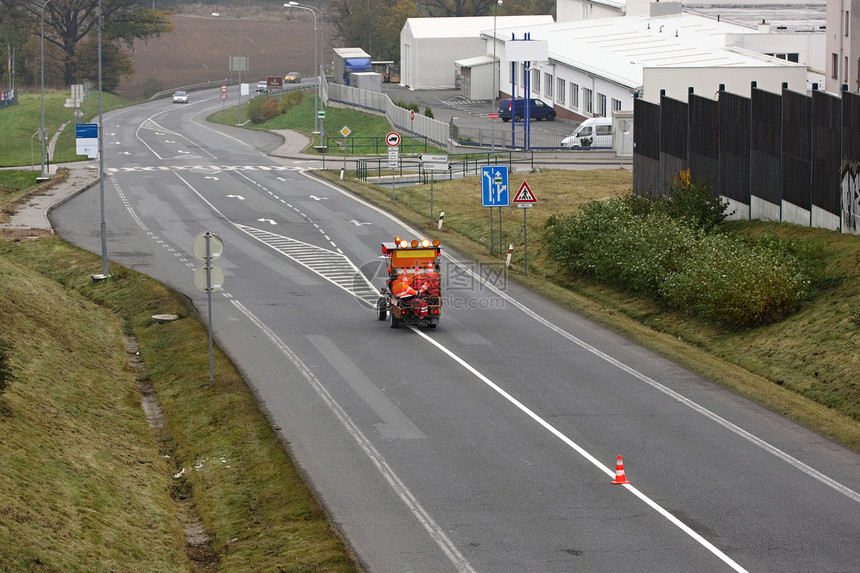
x,y
794,462
403,492
555,432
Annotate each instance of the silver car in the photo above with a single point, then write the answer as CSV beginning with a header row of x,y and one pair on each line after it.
x,y
180,97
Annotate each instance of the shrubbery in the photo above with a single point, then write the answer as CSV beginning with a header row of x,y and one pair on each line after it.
x,y
670,248
262,109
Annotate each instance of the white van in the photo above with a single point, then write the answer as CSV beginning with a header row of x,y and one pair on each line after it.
x,y
593,132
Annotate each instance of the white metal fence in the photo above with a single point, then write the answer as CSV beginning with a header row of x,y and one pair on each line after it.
x,y
403,119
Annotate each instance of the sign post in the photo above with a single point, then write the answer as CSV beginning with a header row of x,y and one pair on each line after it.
x,y
393,141
494,193
433,163
208,277
525,199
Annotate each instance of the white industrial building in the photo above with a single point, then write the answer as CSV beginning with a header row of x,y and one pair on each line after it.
x,y
843,45
429,47
596,66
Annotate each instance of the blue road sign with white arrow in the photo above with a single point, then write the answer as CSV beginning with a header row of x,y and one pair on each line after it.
x,y
494,186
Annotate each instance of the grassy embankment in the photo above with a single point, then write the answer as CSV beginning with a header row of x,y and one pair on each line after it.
x,y
85,483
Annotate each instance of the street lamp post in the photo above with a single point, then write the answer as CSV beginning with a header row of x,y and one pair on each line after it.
x,y
42,132
313,11
495,91
239,62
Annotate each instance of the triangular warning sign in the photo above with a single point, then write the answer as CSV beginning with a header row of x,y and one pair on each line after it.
x,y
525,195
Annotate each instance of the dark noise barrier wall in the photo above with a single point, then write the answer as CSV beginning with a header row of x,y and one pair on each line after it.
x,y
782,157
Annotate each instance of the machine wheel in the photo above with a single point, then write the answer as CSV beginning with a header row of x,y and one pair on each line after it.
x,y
381,308
518,117
551,117
506,119
393,321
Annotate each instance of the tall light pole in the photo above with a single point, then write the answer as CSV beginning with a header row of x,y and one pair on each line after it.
x,y
495,91
42,132
316,60
239,63
103,225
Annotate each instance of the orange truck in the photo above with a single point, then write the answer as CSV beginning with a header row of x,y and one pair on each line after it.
x,y
412,295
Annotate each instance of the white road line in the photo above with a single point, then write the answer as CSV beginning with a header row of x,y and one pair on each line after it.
x,y
403,492
581,451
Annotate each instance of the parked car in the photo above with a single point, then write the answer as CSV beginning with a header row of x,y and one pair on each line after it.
x,y
538,109
593,132
293,77
262,86
180,97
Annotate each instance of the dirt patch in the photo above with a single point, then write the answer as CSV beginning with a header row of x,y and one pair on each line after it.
x,y
199,50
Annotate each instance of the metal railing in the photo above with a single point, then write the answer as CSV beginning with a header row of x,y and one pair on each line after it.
x,y
460,165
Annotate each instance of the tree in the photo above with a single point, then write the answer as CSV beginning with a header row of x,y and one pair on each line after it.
x,y
70,24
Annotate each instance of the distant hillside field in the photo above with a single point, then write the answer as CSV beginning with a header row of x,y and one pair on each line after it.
x,y
199,48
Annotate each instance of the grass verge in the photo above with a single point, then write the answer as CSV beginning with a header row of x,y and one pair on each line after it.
x,y
86,485
19,144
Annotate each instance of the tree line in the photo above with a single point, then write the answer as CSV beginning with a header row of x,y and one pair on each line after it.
x,y
71,30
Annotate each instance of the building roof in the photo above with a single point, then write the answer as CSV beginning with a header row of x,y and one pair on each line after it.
x,y
619,48
781,15
468,27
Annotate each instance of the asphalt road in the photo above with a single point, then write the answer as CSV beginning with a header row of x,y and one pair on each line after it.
x,y
488,444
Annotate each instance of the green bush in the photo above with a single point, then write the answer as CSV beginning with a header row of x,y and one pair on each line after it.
x,y
150,87
428,112
262,109
731,280
688,201
290,100
668,248
413,106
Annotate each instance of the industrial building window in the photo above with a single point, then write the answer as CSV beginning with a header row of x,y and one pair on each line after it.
x,y
536,81
559,97
574,95
616,104
547,85
846,23
793,58
845,71
587,103
601,104
834,73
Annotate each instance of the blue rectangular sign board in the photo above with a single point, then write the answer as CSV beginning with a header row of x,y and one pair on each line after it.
x,y
494,186
86,131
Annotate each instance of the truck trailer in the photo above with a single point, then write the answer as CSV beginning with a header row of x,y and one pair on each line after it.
x,y
349,61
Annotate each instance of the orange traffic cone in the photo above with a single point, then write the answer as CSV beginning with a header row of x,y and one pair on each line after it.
x,y
620,478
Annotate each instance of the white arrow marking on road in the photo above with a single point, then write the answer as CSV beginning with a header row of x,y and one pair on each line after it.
x,y
358,223
315,198
211,177
269,221
239,197
280,178
125,153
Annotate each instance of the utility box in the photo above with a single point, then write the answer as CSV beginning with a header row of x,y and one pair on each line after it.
x,y
370,81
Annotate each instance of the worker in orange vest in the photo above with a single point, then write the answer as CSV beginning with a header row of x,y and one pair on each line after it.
x,y
401,287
